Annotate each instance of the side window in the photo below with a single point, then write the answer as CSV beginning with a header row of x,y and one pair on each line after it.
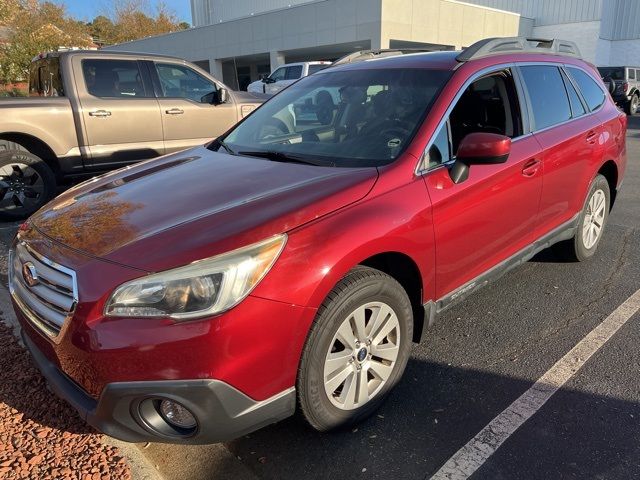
x,y
592,93
293,73
113,78
577,108
637,74
178,81
548,96
490,104
278,75
632,73
440,151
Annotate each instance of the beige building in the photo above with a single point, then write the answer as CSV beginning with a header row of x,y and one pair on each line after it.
x,y
237,40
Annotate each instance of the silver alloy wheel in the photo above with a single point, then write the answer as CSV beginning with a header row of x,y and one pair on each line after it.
x,y
362,355
21,187
594,219
634,104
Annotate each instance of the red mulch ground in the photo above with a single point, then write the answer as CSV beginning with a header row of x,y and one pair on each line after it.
x,y
41,437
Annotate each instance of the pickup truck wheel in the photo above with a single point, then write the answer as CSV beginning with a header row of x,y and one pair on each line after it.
x,y
591,223
356,351
632,105
26,184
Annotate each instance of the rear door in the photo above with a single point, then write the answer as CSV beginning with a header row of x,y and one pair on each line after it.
x,y
120,113
191,114
569,135
489,217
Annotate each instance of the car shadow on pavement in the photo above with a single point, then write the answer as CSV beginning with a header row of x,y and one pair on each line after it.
x,y
433,412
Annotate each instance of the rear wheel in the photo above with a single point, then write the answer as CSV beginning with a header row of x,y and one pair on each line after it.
x,y
632,105
591,223
356,351
26,184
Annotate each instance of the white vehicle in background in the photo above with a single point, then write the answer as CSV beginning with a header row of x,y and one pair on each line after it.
x,y
285,75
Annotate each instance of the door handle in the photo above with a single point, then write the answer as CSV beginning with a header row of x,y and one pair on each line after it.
x,y
100,113
531,167
592,136
174,111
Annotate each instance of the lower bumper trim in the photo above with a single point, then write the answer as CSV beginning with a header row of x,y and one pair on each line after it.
x,y
222,412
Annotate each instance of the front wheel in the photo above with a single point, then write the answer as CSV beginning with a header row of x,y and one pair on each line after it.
x,y
356,351
26,184
591,223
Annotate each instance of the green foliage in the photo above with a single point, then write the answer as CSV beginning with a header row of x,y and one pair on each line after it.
x,y
40,26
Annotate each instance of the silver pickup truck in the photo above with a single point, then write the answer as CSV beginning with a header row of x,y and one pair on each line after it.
x,y
93,111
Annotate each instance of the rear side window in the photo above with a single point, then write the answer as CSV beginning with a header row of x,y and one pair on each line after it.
x,y
591,92
632,74
293,73
113,78
547,94
577,108
45,79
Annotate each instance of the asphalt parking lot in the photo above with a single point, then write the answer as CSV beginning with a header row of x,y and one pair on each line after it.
x,y
480,357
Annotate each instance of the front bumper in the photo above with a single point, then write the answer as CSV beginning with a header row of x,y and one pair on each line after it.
x,y
222,412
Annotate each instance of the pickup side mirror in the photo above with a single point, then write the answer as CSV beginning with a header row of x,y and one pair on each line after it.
x,y
479,149
223,95
268,80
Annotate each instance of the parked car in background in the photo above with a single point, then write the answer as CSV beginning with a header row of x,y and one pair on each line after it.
x,y
94,111
623,83
200,296
285,75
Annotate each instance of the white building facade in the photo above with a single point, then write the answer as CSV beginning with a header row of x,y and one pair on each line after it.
x,y
238,40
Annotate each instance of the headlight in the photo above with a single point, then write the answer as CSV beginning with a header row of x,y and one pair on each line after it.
x,y
202,288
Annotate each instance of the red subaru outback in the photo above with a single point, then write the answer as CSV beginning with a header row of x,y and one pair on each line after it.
x,y
199,296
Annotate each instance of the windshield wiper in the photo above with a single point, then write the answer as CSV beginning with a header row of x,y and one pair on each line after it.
x,y
276,156
226,147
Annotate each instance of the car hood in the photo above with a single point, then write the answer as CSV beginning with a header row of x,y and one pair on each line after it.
x,y
194,204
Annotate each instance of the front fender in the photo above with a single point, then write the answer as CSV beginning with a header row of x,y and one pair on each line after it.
x,y
321,253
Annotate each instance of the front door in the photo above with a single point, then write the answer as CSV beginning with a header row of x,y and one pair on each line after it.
x,y
490,216
120,113
190,112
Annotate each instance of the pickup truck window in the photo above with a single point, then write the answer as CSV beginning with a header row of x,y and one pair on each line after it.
x,y
293,73
113,78
45,79
178,81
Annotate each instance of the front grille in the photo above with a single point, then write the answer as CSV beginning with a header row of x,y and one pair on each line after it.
x,y
45,291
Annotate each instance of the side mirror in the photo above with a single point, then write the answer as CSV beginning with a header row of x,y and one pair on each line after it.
x,y
268,80
223,95
479,149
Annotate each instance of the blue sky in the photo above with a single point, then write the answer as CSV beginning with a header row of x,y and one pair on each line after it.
x,y
88,9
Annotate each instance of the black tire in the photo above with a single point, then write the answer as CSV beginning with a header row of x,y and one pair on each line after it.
x,y
26,184
358,288
575,249
631,106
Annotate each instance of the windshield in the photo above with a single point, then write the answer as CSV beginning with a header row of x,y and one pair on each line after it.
x,y
353,118
614,73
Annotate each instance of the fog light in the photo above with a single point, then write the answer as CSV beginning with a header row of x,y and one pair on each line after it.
x,y
177,415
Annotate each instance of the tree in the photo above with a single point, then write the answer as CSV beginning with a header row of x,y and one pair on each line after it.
x,y
134,19
36,27
102,30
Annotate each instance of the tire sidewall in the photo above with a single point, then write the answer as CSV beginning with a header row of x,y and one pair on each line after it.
x,y
583,253
47,175
324,414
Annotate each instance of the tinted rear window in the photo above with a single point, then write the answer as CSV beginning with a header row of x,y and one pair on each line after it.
x,y
547,93
592,93
614,73
316,68
45,78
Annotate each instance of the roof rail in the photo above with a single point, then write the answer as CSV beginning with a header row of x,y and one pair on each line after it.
x,y
370,54
496,46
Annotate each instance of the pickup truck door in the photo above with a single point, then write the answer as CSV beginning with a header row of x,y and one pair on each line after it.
x,y
119,111
191,114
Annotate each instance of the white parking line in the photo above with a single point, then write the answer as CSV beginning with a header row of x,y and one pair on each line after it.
x,y
478,450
